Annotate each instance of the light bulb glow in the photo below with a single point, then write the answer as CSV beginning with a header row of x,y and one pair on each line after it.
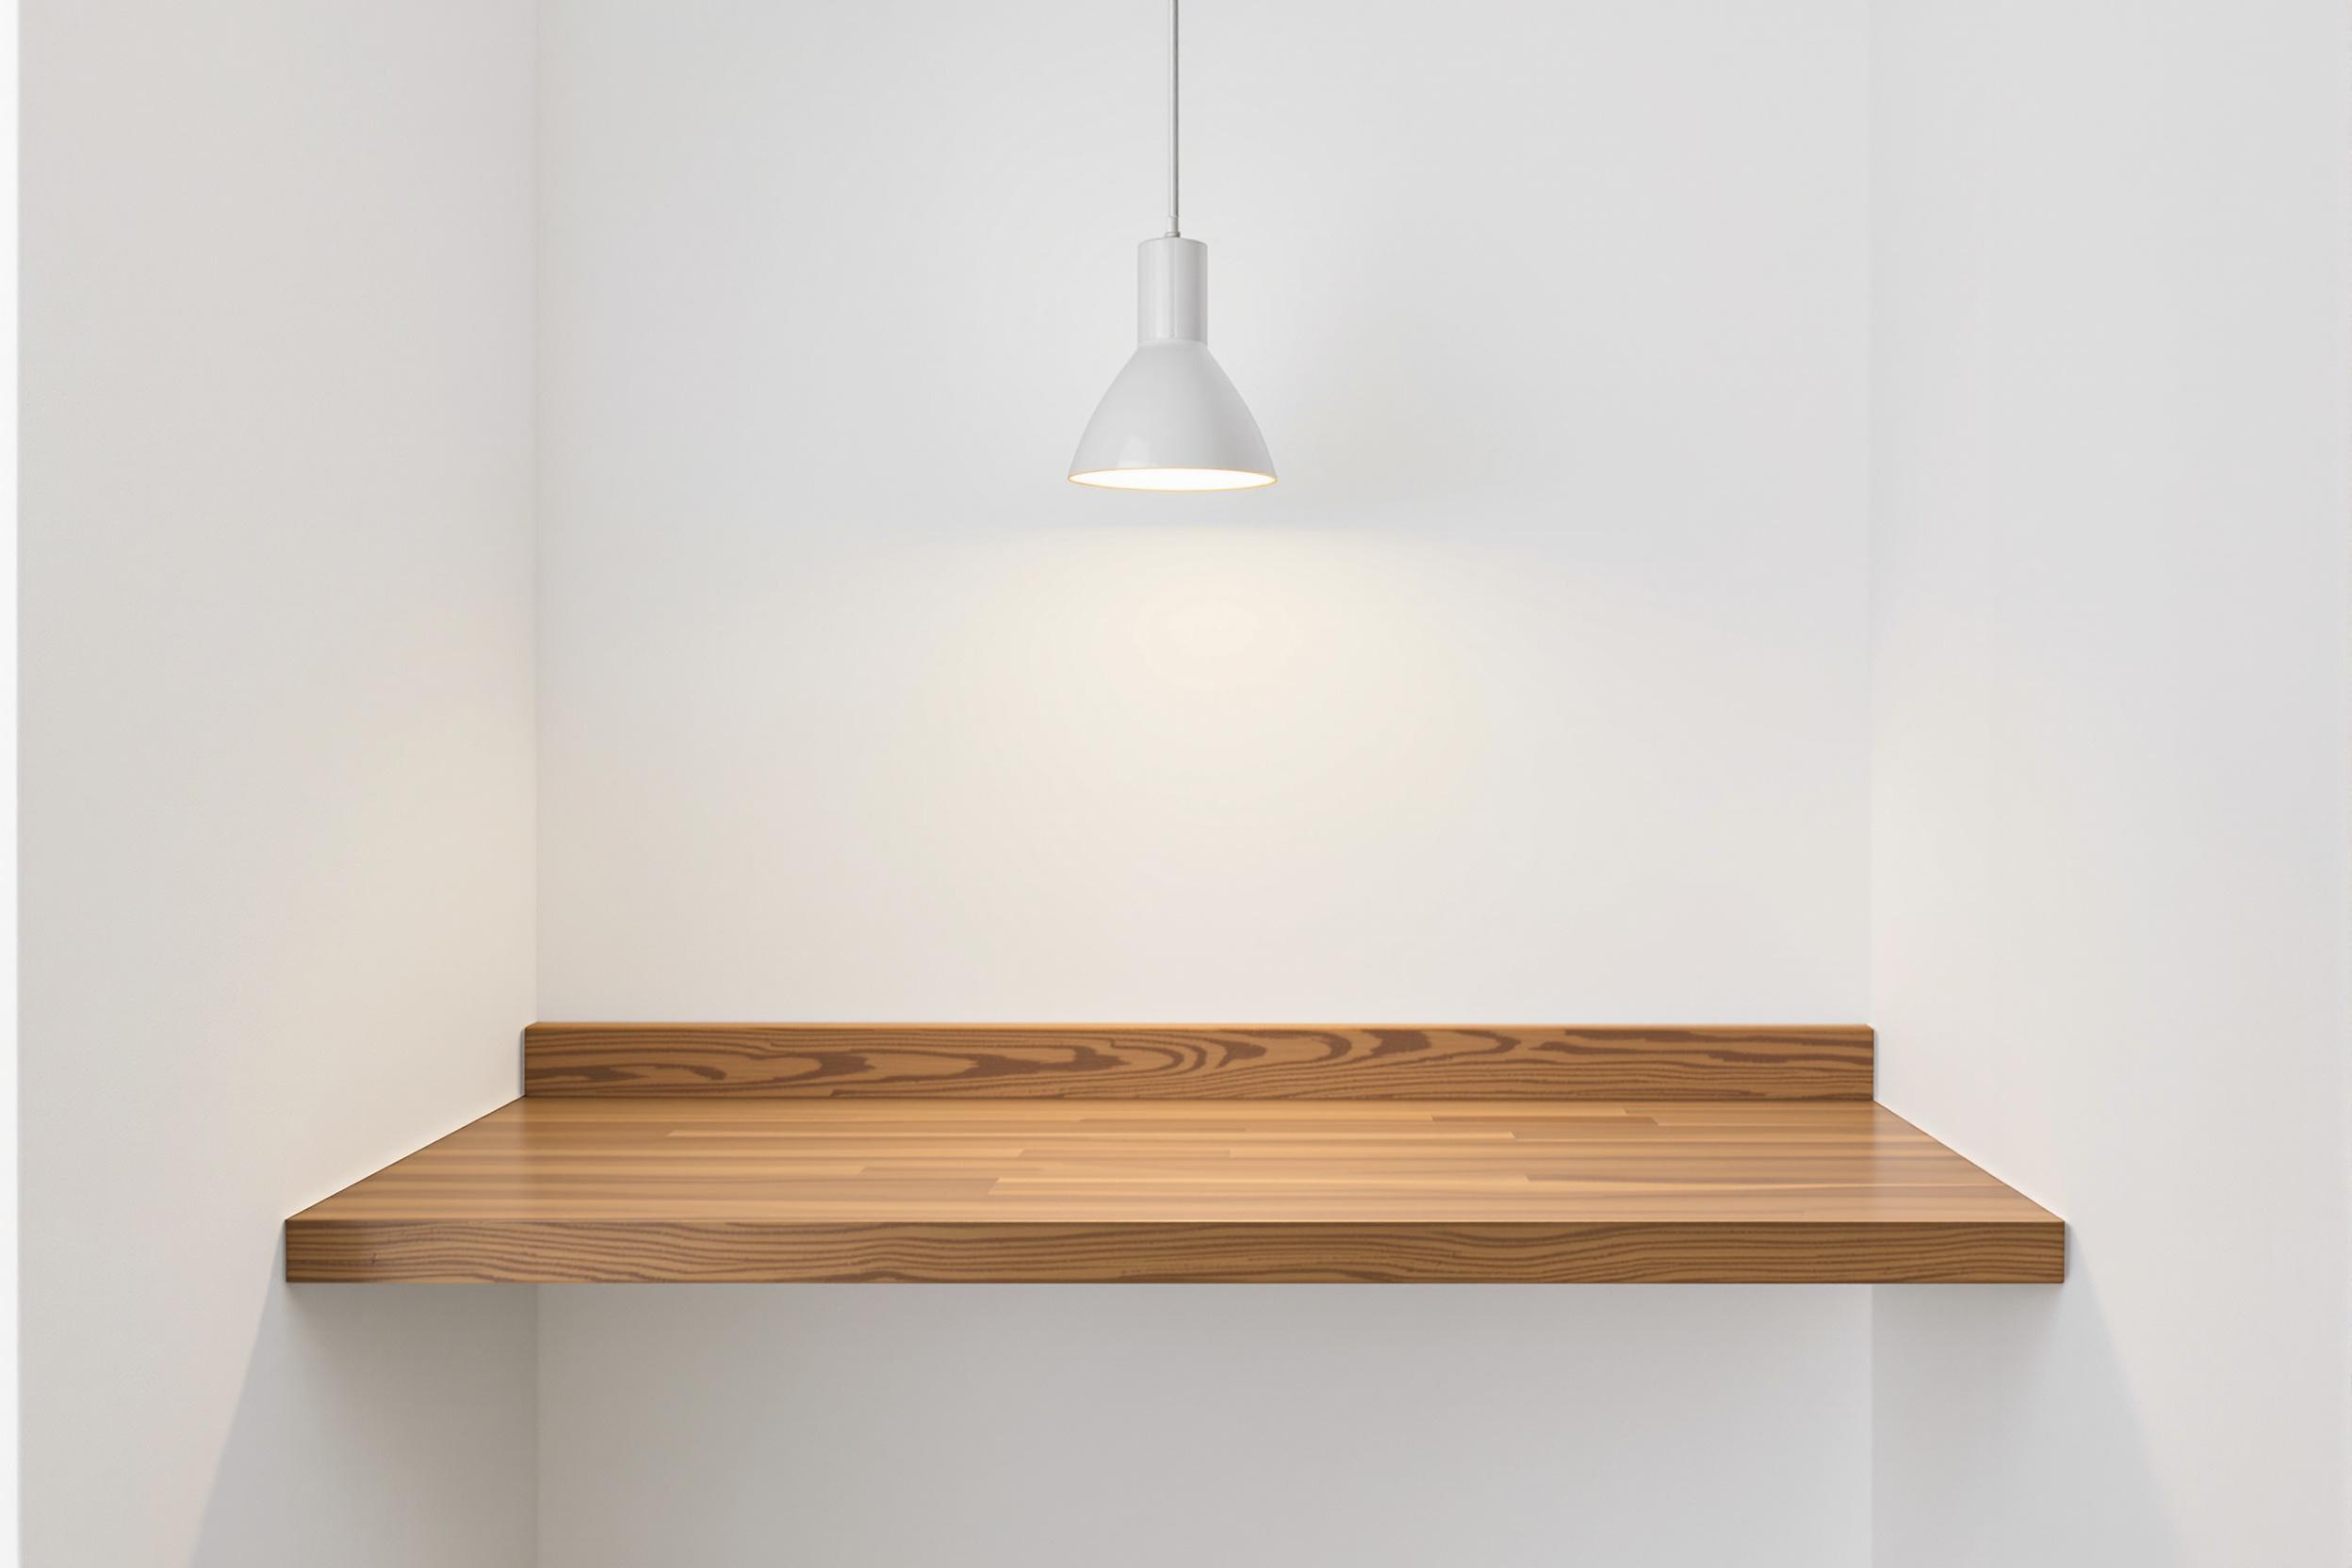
x,y
1173,479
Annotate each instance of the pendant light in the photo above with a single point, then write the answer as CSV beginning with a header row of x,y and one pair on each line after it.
x,y
1171,421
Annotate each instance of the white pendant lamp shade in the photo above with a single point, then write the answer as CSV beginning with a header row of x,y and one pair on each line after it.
x,y
1172,421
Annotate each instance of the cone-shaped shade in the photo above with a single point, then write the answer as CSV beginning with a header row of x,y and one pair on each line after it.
x,y
1171,421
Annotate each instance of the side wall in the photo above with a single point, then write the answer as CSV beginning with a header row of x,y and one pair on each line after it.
x,y
2110,608
1534,690
277,763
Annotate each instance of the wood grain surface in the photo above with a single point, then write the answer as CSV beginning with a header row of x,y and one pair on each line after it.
x,y
682,1189
719,1253
1199,1061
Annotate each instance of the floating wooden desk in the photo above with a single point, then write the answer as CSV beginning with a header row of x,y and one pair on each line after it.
x,y
674,1153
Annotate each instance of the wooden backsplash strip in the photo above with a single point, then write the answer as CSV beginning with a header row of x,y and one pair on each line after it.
x,y
1145,1061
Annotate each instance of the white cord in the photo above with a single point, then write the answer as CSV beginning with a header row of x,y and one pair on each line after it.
x,y
1175,127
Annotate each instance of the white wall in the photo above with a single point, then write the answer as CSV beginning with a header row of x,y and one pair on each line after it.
x,y
277,765
1165,1426
2113,401
1536,690
11,1474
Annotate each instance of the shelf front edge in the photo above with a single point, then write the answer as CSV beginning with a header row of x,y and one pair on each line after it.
x,y
1535,1252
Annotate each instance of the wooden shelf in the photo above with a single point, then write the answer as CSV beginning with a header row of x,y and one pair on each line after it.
x,y
675,1153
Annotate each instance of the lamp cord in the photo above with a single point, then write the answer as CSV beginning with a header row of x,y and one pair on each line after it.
x,y
1175,135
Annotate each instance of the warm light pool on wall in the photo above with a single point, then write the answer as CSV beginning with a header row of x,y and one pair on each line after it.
x,y
1172,421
